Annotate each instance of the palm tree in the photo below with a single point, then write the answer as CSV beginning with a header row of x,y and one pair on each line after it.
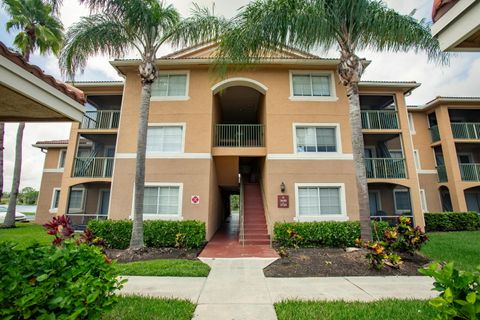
x,y
349,25
117,27
39,29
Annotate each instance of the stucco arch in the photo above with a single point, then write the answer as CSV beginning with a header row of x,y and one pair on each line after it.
x,y
239,81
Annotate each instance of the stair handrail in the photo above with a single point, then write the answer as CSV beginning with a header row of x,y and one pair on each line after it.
x,y
266,213
242,213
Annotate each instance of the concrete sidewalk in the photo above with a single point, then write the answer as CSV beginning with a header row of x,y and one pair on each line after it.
x,y
237,289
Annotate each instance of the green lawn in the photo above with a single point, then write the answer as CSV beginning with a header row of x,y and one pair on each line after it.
x,y
145,308
25,234
339,310
171,267
460,247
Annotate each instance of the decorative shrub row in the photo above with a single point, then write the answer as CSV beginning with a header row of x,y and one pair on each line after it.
x,y
67,282
317,234
157,233
452,221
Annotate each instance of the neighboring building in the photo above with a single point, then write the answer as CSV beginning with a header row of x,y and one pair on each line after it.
x,y
284,126
457,24
446,136
28,94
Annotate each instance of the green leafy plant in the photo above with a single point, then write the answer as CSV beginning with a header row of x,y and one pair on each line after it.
x,y
282,252
56,282
409,239
460,291
179,240
452,221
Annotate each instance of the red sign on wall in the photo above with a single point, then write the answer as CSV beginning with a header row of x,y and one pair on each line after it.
x,y
195,199
282,201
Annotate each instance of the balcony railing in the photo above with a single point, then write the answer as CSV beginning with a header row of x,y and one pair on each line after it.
x,y
93,167
385,168
434,133
239,135
379,119
442,174
107,119
470,171
467,130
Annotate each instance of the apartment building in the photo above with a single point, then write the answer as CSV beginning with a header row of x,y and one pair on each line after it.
x,y
278,135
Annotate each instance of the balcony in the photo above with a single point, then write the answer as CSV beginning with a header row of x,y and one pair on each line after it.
x,y
379,119
93,167
239,135
385,168
470,171
442,174
434,133
466,130
107,119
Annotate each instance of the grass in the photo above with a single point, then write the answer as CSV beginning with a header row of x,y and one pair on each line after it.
x,y
147,308
460,247
339,310
25,234
164,268
29,213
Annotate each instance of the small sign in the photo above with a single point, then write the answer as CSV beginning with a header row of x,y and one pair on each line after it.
x,y
282,201
195,199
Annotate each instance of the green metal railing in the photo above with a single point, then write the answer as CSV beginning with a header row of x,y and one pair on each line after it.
x,y
239,135
107,119
442,174
468,130
97,167
379,119
385,168
434,133
470,171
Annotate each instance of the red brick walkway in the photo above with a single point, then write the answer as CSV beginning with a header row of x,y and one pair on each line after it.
x,y
225,244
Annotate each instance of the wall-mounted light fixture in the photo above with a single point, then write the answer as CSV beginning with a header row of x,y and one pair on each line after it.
x,y
282,187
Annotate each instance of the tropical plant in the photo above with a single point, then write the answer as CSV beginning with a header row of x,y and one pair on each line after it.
x,y
117,27
350,25
39,29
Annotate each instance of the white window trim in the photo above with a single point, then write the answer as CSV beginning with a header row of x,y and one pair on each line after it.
x,y
333,97
153,154
52,209
338,138
62,151
78,210
397,211
411,123
423,201
99,202
177,217
416,158
327,217
174,98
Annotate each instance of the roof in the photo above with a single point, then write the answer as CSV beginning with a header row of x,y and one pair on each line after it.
x,y
96,83
57,143
441,100
406,86
67,89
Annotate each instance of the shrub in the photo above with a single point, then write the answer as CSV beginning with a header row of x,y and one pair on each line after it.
x,y
452,221
460,291
157,234
55,282
317,234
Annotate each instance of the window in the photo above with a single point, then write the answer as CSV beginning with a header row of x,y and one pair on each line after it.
x,y
311,85
162,200
324,201
416,157
55,199
411,124
170,85
76,199
423,200
402,201
396,154
61,159
168,139
316,139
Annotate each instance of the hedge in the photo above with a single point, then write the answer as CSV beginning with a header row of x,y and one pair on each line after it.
x,y
452,221
157,233
317,234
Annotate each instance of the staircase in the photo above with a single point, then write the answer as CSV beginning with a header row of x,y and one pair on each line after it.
x,y
255,225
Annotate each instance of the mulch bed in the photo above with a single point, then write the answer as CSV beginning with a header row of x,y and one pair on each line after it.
x,y
152,253
330,262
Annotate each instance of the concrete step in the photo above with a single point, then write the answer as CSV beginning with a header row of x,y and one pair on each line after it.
x,y
257,242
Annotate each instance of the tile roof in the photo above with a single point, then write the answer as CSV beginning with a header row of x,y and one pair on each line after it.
x,y
65,88
57,142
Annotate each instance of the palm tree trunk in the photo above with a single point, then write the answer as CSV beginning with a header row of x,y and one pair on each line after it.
x,y
2,134
10,217
136,241
359,159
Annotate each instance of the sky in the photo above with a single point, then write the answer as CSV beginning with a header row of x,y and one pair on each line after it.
x,y
460,78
